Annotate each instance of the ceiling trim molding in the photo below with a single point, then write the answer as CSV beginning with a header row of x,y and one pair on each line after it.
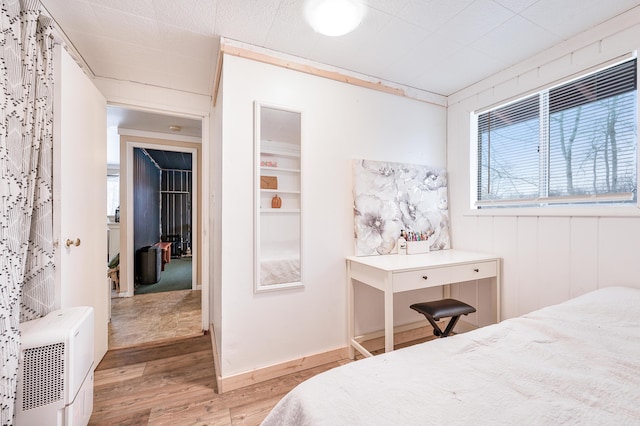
x,y
243,50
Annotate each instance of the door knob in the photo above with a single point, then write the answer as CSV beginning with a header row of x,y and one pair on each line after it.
x,y
70,242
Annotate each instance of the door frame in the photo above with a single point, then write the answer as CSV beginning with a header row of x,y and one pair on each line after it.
x,y
195,206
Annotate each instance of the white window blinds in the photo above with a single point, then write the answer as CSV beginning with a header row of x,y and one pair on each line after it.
x,y
573,143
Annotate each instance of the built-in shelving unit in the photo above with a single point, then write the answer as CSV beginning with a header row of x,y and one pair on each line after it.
x,y
285,157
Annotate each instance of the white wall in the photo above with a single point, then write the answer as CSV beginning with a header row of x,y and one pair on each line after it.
x,y
153,98
547,259
340,122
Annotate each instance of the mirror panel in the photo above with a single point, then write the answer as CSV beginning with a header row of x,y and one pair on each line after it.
x,y
278,195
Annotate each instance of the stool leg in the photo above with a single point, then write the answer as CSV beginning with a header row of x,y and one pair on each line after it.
x,y
450,326
436,329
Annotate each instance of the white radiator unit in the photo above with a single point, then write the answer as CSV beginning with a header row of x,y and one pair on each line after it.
x,y
55,377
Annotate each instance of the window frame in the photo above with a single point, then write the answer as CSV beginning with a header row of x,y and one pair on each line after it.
x,y
511,208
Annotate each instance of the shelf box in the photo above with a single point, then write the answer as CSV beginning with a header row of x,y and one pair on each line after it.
x,y
417,247
268,182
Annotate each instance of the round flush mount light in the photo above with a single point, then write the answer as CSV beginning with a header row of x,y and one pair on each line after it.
x,y
334,17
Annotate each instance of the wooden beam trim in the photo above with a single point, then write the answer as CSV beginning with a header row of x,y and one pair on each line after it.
x,y
216,359
218,74
309,69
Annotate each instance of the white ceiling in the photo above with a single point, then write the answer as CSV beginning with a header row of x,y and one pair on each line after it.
x,y
439,46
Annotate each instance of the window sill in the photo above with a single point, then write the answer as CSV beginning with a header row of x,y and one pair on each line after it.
x,y
596,211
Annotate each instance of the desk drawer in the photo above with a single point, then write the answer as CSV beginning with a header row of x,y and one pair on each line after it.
x,y
473,271
432,277
403,281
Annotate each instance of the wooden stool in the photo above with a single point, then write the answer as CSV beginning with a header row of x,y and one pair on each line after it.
x,y
444,308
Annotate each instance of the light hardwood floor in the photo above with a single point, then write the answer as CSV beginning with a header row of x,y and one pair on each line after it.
x,y
171,381
154,317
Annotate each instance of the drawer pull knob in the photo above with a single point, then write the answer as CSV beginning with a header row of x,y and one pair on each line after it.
x,y
424,277
476,270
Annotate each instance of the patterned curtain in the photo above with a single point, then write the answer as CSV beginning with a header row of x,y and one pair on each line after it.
x,y
26,141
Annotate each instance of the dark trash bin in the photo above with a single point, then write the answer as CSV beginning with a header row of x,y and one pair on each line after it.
x,y
149,265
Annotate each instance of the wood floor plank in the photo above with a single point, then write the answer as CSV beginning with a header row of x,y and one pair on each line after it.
x,y
171,395
154,317
193,361
253,414
203,413
265,390
118,374
149,387
122,419
145,353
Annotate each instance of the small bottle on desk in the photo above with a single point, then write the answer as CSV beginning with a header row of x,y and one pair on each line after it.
x,y
402,244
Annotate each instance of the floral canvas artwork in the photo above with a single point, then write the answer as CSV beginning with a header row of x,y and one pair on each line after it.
x,y
394,197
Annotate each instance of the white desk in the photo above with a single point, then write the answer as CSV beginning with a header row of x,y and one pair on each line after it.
x,y
396,273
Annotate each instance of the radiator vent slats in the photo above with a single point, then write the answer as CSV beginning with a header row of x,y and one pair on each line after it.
x,y
43,376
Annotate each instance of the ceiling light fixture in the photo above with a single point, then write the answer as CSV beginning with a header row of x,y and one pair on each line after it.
x,y
175,128
334,17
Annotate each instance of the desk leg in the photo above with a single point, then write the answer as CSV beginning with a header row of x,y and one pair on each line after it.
x,y
388,314
498,290
351,332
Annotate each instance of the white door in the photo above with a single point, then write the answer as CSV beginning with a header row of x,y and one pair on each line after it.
x,y
79,174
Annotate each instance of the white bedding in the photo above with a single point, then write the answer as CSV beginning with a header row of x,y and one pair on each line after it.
x,y
573,363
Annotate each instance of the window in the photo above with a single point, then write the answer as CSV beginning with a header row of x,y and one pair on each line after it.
x,y
573,143
113,194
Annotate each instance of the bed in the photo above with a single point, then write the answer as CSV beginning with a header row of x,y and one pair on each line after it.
x,y
573,363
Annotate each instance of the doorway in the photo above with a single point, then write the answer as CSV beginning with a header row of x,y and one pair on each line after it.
x,y
142,317
162,216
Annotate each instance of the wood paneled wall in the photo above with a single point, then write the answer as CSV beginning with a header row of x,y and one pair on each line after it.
x,y
146,201
547,260
549,254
